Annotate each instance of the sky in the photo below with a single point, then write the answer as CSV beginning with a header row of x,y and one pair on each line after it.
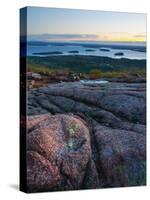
x,y
54,24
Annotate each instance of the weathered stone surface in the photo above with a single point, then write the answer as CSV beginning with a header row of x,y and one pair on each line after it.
x,y
41,174
59,154
121,154
124,101
109,145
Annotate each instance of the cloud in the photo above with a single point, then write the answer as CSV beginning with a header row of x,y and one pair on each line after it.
x,y
119,33
113,36
55,37
139,36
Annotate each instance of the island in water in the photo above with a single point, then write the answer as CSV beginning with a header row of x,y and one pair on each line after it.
x,y
102,49
73,51
47,53
119,54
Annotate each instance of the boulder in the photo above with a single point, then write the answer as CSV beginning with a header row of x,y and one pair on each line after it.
x,y
59,154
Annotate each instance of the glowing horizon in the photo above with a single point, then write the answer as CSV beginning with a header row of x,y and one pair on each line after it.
x,y
99,38
52,24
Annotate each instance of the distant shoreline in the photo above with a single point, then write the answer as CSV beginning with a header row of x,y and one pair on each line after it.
x,y
114,45
88,56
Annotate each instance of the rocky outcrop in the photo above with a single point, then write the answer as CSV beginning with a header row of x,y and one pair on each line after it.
x,y
59,154
121,156
86,136
42,79
107,103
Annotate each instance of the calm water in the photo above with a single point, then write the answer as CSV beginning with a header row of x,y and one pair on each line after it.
x,y
93,81
131,54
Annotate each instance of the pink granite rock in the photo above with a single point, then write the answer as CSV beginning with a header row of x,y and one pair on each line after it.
x,y
58,154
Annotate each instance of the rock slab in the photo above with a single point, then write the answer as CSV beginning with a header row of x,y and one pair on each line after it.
x,y
83,135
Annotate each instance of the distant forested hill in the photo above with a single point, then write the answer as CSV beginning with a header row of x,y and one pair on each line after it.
x,y
84,64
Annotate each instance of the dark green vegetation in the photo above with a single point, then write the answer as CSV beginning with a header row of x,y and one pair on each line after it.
x,y
48,53
102,49
86,64
73,51
42,69
96,74
119,54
